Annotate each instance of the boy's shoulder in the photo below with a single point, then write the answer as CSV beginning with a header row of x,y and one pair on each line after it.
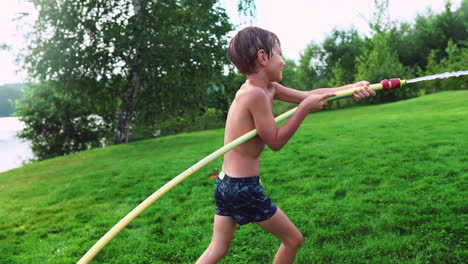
x,y
254,93
253,99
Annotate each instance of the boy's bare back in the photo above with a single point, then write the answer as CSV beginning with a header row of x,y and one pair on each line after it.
x,y
244,161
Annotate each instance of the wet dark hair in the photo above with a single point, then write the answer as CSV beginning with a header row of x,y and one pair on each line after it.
x,y
246,43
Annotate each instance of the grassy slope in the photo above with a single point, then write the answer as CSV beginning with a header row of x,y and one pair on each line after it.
x,y
376,184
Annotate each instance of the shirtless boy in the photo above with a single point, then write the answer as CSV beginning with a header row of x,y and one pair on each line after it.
x,y
239,196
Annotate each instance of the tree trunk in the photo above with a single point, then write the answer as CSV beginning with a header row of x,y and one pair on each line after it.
x,y
126,109
131,93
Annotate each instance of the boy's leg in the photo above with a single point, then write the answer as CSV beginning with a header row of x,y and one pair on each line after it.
x,y
223,232
291,238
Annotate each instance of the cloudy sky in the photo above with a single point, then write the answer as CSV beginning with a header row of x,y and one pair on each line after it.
x,y
296,22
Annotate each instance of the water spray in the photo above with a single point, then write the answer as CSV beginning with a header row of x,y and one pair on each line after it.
x,y
386,85
439,76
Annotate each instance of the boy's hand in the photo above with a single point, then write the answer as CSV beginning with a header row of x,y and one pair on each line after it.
x,y
314,103
363,93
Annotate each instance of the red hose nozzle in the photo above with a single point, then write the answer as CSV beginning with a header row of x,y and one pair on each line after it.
x,y
391,84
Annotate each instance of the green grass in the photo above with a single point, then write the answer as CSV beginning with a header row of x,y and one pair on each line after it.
x,y
374,184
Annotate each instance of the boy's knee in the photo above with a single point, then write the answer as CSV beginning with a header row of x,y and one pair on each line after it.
x,y
296,240
299,240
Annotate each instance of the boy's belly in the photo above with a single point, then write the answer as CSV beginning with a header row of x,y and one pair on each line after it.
x,y
238,164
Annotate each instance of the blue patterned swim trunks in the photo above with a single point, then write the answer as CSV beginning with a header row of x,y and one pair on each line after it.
x,y
242,199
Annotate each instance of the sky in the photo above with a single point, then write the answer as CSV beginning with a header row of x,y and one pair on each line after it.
x,y
296,22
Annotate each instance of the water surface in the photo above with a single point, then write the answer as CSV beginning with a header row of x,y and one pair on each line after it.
x,y
13,151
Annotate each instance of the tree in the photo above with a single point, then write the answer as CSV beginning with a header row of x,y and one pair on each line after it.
x,y
57,124
338,75
456,59
290,78
380,21
414,42
309,68
141,61
381,62
341,50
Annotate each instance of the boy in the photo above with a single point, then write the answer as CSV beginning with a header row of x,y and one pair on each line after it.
x,y
239,197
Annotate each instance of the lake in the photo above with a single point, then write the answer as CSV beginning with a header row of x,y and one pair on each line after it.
x,y
13,152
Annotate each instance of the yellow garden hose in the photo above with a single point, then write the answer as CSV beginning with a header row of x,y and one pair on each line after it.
x,y
101,243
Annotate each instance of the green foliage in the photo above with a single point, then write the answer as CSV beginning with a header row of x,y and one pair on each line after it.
x,y
341,49
59,124
380,21
290,76
372,184
212,118
7,95
338,75
463,12
455,59
147,60
246,8
229,85
290,79
414,43
452,24
308,70
380,62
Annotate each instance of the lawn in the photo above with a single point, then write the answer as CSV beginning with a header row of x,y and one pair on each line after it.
x,y
369,184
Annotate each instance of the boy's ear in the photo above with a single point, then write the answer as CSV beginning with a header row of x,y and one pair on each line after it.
x,y
262,57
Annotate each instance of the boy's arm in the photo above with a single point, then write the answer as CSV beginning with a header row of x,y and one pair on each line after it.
x,y
358,94
273,136
296,96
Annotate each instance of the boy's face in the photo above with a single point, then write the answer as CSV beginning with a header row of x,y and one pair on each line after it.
x,y
275,65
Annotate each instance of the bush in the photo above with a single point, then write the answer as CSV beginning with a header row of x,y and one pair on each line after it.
x,y
381,62
210,119
456,59
59,124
